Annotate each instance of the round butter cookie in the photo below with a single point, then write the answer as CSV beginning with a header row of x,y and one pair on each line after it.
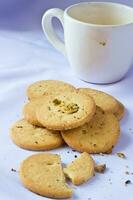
x,y
31,137
107,102
97,136
43,174
40,88
65,111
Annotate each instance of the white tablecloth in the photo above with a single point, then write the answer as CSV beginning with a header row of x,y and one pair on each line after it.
x,y
26,56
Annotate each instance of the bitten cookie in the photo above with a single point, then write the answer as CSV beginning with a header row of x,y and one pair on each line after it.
x,y
40,88
105,101
32,137
43,174
29,111
81,169
65,111
98,136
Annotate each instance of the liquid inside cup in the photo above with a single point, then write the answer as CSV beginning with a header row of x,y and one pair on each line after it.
x,y
102,13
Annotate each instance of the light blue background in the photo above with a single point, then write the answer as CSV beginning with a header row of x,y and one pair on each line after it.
x,y
26,56
26,14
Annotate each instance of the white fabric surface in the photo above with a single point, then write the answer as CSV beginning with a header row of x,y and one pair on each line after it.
x,y
26,56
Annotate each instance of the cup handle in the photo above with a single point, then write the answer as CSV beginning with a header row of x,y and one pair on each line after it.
x,y
49,30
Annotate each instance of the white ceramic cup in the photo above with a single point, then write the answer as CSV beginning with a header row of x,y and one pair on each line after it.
x,y
98,39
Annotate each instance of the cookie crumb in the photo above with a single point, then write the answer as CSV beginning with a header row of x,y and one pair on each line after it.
x,y
127,182
73,150
102,43
121,155
100,168
36,142
13,170
110,182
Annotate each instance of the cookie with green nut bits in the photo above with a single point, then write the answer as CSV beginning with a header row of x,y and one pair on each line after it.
x,y
99,135
28,136
65,111
107,102
43,174
43,87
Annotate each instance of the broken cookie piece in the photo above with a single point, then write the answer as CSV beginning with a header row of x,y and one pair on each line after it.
x,y
121,155
43,174
100,168
81,169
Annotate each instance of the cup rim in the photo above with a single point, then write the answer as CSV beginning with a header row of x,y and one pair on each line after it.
x,y
97,25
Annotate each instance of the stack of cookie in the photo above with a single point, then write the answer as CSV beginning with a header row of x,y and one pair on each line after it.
x,y
85,119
